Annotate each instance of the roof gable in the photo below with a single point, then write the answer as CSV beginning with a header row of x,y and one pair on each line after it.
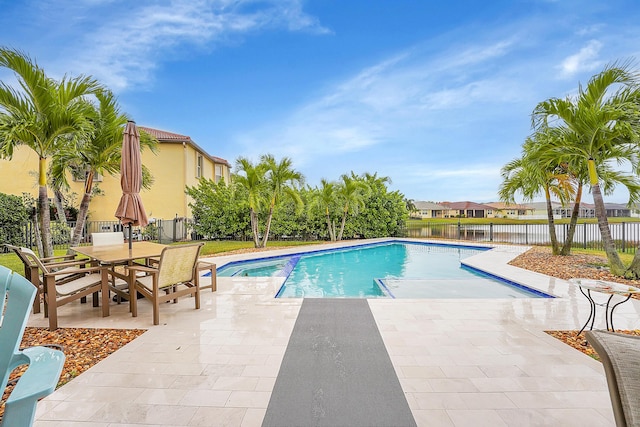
x,y
170,137
163,136
466,205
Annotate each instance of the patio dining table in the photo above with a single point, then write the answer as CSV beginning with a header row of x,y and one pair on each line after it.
x,y
121,254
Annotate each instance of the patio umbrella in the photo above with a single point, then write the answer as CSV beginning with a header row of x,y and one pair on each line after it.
x,y
130,210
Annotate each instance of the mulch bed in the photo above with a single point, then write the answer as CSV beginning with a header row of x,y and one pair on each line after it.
x,y
580,343
83,348
539,259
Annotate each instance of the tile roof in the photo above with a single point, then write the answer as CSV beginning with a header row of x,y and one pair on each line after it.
x,y
428,206
500,205
164,136
466,205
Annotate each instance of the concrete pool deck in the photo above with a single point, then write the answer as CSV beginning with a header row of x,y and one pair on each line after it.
x,y
459,362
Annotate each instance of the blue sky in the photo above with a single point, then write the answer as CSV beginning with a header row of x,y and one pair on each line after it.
x,y
435,95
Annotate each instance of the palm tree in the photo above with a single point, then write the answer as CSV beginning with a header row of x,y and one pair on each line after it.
x,y
351,191
602,123
325,198
374,181
279,180
253,181
41,116
568,177
97,153
530,176
411,206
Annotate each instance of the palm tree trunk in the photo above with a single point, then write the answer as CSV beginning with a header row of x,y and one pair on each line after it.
x,y
254,227
60,215
615,264
43,208
552,225
83,211
332,233
633,272
344,220
566,247
36,233
82,219
268,227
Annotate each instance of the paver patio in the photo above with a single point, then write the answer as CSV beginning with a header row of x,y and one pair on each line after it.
x,y
460,362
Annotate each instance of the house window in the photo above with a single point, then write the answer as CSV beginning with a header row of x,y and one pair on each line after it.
x,y
199,163
218,173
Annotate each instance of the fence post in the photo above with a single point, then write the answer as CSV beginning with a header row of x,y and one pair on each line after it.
x,y
491,232
459,230
624,246
159,223
175,225
584,235
526,233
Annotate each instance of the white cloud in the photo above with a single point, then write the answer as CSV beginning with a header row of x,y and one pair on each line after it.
x,y
585,60
474,172
397,99
125,48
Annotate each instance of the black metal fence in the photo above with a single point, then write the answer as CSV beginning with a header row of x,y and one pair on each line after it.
x,y
161,230
626,235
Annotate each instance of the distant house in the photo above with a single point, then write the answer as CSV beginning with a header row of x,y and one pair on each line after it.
x,y
617,210
539,210
428,210
466,209
507,210
587,210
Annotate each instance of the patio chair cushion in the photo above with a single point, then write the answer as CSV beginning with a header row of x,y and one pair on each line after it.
x,y
77,285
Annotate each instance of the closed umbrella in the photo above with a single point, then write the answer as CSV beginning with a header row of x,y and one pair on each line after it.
x,y
130,210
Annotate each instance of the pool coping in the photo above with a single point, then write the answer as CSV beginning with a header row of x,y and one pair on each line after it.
x,y
510,278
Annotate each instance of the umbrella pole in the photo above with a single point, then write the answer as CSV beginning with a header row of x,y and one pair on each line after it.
x,y
130,235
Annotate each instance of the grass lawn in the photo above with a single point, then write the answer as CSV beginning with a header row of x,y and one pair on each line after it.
x,y
12,261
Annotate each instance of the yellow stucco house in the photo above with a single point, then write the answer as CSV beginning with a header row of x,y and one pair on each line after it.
x,y
179,162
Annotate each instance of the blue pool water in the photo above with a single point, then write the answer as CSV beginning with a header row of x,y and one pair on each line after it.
x,y
396,270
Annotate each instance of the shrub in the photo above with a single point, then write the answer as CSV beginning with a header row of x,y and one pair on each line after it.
x,y
13,215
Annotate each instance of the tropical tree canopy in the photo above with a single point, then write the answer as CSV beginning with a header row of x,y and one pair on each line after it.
x,y
44,115
220,211
577,141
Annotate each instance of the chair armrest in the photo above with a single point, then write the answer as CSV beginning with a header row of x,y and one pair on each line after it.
x,y
75,271
73,263
142,268
39,380
54,259
205,265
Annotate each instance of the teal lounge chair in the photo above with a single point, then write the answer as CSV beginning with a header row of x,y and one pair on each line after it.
x,y
44,364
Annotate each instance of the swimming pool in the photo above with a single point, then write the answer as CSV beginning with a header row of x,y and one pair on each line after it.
x,y
396,269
